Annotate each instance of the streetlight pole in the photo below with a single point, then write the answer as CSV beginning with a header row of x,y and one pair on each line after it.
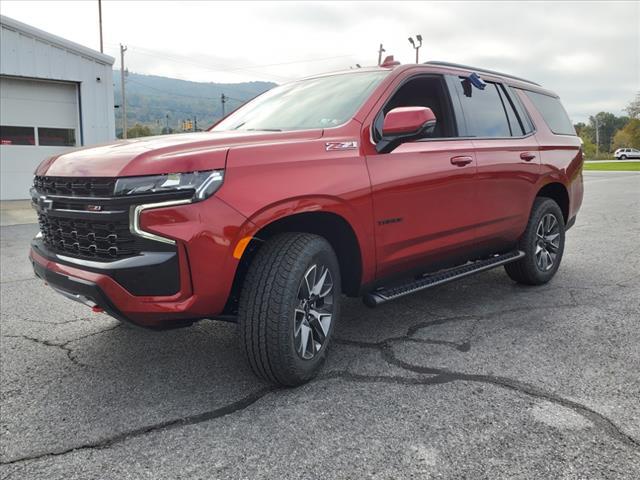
x,y
124,102
381,50
100,21
416,46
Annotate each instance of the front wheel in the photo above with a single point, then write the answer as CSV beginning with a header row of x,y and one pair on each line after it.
x,y
289,305
542,243
623,157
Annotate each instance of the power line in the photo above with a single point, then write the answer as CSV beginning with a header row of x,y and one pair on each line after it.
x,y
249,94
169,92
222,68
237,99
191,112
226,97
175,110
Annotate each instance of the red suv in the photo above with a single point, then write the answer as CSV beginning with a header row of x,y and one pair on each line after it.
x,y
376,182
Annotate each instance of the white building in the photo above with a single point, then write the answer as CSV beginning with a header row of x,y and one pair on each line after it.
x,y
54,95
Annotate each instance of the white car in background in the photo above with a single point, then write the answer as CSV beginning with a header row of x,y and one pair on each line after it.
x,y
624,153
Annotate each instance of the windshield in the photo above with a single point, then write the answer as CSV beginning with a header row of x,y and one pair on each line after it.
x,y
313,103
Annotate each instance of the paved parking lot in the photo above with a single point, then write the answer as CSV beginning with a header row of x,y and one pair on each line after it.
x,y
477,379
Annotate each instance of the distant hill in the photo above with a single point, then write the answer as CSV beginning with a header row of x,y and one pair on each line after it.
x,y
151,98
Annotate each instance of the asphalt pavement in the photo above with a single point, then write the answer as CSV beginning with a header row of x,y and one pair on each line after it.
x,y
477,379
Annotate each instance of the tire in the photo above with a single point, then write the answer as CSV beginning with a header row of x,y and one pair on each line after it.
x,y
623,157
277,311
542,254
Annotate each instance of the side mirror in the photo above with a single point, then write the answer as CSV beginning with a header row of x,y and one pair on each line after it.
x,y
404,124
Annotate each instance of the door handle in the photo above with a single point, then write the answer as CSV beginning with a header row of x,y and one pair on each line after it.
x,y
527,156
461,161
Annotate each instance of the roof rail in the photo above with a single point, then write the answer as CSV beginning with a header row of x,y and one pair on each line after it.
x,y
484,70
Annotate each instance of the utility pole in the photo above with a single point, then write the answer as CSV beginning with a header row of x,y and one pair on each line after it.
x,y
381,50
100,20
416,47
595,119
195,123
223,100
124,102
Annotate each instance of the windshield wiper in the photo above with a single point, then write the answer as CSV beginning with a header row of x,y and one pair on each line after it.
x,y
263,130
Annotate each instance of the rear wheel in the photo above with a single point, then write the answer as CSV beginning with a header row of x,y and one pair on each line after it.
x,y
542,243
289,305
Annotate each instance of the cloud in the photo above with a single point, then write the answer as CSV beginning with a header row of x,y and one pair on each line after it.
x,y
576,62
588,52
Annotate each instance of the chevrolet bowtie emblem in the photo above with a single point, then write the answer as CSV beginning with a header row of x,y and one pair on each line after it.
x,y
45,203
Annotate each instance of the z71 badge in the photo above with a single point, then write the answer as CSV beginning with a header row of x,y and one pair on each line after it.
x,y
350,145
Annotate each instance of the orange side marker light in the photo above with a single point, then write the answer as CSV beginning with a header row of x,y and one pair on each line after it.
x,y
240,247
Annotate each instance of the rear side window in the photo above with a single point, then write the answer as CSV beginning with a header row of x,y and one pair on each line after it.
x,y
515,125
484,110
553,113
519,108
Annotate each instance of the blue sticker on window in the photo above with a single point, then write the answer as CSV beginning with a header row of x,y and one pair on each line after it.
x,y
476,81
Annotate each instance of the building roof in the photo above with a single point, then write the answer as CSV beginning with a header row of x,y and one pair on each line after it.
x,y
30,31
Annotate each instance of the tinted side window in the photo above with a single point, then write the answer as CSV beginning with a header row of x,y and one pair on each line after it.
x,y
514,123
553,113
522,114
484,110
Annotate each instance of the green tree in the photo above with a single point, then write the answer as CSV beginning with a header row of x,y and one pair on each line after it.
x,y
628,136
139,130
588,147
607,124
579,127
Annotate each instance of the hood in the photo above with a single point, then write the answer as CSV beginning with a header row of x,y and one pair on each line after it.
x,y
161,154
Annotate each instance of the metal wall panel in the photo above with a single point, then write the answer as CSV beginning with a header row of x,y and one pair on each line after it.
x,y
28,54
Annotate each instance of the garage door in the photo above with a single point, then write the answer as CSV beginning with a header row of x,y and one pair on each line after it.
x,y
37,119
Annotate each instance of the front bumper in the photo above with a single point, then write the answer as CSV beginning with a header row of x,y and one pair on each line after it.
x,y
205,234
83,291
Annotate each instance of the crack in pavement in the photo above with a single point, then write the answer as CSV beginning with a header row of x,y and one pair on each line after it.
x,y
48,343
428,376
64,345
44,322
107,442
65,322
443,375
19,280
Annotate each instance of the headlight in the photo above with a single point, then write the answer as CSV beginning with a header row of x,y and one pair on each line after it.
x,y
203,184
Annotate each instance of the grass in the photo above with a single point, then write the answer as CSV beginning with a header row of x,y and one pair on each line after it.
x,y
613,166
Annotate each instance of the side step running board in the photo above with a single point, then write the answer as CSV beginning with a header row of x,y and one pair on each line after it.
x,y
382,295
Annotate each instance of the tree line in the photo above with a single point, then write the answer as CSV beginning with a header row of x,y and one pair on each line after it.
x,y
606,132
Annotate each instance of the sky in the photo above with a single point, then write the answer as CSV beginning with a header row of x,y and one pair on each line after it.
x,y
587,52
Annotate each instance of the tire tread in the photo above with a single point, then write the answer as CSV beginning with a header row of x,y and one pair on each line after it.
x,y
524,271
261,310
